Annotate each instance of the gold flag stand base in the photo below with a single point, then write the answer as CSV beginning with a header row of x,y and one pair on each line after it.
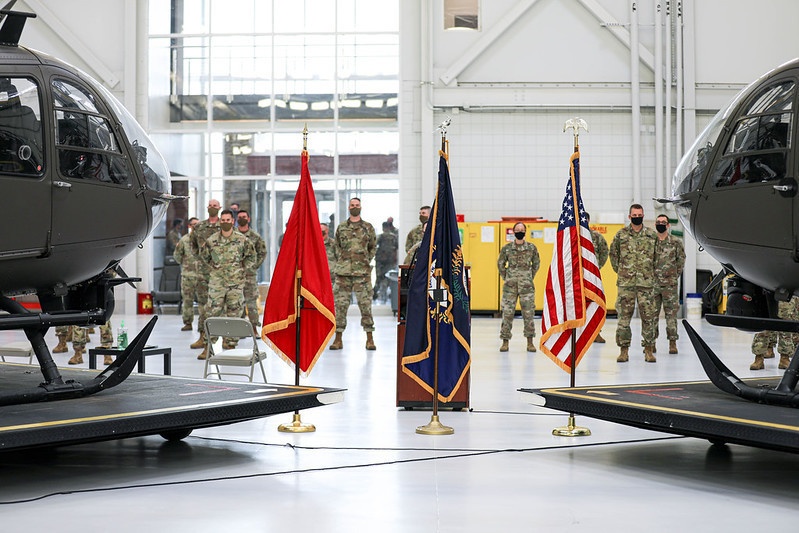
x,y
434,427
296,426
571,430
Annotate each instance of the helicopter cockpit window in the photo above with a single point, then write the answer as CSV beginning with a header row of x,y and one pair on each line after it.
x,y
20,127
87,146
757,150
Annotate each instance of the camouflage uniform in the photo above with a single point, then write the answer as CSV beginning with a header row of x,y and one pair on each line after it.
x,y
385,259
251,277
355,244
517,264
764,341
600,247
228,259
414,236
172,240
189,277
330,248
632,256
669,262
202,231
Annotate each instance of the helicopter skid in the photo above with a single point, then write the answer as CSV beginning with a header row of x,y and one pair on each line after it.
x,y
723,378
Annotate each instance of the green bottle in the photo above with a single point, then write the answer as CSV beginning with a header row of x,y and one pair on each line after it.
x,y
122,336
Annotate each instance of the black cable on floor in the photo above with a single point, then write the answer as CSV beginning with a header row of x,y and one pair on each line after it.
x,y
327,468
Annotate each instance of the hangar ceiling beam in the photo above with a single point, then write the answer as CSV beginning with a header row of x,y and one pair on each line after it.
x,y
618,30
71,40
483,43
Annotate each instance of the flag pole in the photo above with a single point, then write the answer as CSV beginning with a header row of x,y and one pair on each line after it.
x,y
435,427
570,429
296,425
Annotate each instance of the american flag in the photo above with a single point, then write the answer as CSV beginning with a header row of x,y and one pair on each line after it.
x,y
574,299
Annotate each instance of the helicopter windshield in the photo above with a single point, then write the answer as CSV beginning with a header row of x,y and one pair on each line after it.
x,y
153,164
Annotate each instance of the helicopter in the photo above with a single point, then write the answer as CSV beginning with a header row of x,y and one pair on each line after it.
x,y
89,184
735,191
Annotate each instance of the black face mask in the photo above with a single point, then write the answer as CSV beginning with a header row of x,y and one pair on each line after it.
x,y
519,235
661,228
637,221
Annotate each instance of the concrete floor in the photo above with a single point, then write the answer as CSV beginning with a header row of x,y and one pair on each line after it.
x,y
365,468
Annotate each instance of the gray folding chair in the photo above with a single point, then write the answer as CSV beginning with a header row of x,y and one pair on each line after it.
x,y
234,328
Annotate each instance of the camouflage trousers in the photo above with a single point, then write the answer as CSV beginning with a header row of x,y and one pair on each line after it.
x,y
381,281
525,293
202,299
251,299
668,297
764,341
224,299
343,289
188,291
80,335
625,306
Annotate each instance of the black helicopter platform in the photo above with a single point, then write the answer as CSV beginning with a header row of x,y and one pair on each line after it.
x,y
143,405
694,409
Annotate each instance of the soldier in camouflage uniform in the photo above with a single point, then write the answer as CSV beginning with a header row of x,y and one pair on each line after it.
x,y
669,262
199,236
251,278
356,244
764,341
517,263
330,249
416,234
601,253
79,338
229,256
632,256
385,260
189,275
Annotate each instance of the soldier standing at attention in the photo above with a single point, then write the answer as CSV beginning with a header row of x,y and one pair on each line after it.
x,y
355,243
189,274
517,263
385,260
199,236
632,256
601,253
250,279
669,262
416,234
330,249
229,256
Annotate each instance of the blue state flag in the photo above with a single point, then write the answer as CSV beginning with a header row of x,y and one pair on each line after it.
x,y
439,275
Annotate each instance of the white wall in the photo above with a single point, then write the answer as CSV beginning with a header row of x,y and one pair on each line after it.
x,y
509,93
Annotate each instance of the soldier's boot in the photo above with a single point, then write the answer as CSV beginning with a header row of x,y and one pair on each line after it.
x,y
370,342
186,327
672,346
504,347
204,353
654,349
338,344
784,362
531,344
649,356
769,354
199,343
61,347
624,354
757,364
76,359
599,338
107,360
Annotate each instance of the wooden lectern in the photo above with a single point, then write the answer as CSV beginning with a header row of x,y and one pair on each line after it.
x,y
409,394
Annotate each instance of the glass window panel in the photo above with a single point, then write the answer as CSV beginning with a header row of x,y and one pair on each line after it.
x,y
755,168
745,136
241,16
68,96
368,15
774,132
160,16
20,127
241,65
297,16
777,98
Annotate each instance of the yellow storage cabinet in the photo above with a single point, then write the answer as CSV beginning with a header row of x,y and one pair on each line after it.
x,y
480,251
